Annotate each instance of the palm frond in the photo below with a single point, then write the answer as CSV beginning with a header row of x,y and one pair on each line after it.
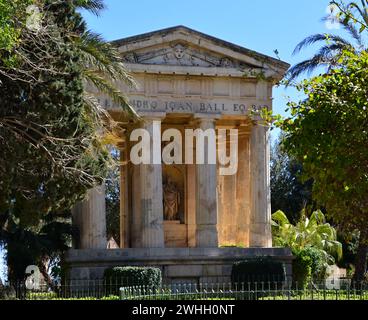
x,y
308,66
319,38
101,83
354,32
103,68
333,52
97,53
93,6
349,28
362,11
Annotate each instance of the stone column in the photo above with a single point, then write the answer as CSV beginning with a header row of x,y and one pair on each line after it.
x,y
148,222
243,187
191,205
124,196
206,195
260,222
89,216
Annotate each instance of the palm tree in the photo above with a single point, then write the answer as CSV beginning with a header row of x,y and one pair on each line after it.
x,y
102,64
333,45
308,232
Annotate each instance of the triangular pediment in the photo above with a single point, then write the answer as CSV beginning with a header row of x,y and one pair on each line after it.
x,y
182,46
180,53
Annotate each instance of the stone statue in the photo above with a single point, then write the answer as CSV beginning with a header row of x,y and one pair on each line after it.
x,y
171,200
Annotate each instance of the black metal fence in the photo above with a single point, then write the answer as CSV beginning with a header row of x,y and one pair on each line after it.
x,y
120,289
331,290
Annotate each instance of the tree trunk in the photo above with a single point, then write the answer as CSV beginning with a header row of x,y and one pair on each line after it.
x,y
361,258
43,270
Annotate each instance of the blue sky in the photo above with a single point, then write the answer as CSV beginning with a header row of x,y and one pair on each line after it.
x,y
262,25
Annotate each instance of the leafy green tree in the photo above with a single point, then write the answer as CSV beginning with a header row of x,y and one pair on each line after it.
x,y
327,134
113,201
353,18
288,193
51,153
10,19
35,245
52,130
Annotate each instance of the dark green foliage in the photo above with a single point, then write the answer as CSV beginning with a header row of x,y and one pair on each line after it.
x,y
11,20
325,134
50,152
36,245
309,264
302,270
133,276
50,156
262,269
350,245
113,201
288,193
318,263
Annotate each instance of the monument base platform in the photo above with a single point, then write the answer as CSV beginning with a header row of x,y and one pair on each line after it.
x,y
178,265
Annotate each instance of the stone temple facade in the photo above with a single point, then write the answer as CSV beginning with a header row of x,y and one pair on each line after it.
x,y
187,219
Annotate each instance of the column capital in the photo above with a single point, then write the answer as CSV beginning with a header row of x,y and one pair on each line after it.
x,y
206,116
151,115
205,120
260,125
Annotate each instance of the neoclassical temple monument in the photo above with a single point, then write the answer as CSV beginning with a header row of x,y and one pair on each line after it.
x,y
187,219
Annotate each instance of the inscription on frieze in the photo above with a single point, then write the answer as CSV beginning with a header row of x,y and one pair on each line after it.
x,y
142,105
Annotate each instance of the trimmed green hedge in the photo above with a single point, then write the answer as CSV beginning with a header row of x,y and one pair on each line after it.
x,y
54,296
132,276
261,269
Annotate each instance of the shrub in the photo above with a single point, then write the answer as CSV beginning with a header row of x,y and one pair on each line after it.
x,y
319,263
263,269
302,269
132,276
310,263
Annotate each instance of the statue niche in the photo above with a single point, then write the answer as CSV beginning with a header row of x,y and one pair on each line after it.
x,y
171,200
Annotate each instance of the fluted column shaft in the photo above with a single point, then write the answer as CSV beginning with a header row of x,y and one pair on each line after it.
x,y
260,224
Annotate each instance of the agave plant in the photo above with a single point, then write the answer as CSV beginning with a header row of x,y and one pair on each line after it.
x,y
312,232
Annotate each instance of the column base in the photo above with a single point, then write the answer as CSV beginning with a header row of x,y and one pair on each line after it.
x,y
260,236
206,236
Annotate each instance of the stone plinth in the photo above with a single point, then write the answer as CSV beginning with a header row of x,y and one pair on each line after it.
x,y
177,264
175,234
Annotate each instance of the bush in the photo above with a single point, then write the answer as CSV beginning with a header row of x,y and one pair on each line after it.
x,y
302,270
318,263
310,263
264,269
132,276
